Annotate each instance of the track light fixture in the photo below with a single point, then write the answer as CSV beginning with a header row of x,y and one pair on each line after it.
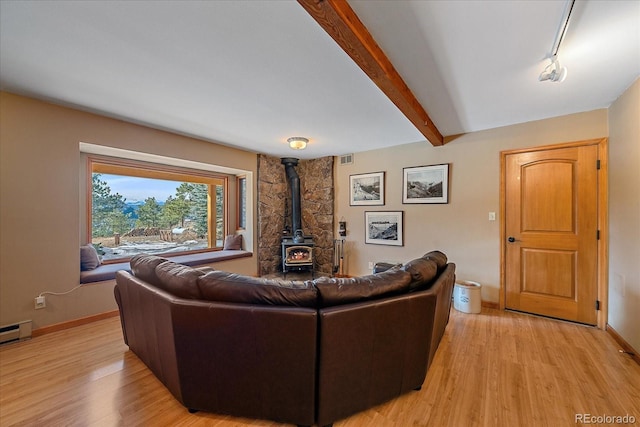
x,y
553,72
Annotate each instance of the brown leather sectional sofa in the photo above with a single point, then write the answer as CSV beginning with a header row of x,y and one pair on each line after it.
x,y
304,353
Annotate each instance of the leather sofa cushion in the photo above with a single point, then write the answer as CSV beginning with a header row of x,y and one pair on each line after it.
x,y
336,291
231,287
179,280
439,258
143,266
422,271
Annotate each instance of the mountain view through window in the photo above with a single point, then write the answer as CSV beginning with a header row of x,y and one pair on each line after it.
x,y
131,215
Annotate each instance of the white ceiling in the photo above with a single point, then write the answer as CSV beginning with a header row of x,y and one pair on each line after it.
x,y
253,73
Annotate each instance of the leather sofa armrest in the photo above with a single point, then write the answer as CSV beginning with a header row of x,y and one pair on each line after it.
x,y
443,290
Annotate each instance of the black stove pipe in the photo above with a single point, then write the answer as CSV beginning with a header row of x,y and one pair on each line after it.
x,y
294,183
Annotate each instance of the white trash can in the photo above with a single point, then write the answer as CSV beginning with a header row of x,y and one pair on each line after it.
x,y
467,296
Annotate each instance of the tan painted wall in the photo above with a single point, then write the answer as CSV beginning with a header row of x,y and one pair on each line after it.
x,y
40,213
461,228
624,215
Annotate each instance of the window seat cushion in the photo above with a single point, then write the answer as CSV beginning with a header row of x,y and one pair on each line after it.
x,y
108,271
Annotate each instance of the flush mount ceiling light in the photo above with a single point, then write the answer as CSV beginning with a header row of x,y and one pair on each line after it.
x,y
554,72
298,142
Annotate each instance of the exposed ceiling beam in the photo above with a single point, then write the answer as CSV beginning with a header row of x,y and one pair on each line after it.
x,y
340,21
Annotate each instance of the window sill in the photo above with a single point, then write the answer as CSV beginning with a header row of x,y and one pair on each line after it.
x,y
108,271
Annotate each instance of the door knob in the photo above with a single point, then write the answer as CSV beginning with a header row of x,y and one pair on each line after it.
x,y
511,239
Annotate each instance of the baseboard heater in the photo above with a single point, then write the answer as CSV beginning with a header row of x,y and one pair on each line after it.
x,y
16,332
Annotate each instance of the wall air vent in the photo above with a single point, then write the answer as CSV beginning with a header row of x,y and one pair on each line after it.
x,y
346,159
16,332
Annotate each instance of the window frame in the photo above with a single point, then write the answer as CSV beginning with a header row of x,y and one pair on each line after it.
x,y
241,191
141,169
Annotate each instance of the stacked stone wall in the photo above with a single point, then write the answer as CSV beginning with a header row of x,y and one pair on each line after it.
x,y
274,210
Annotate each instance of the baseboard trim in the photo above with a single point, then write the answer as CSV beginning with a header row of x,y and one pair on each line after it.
x,y
626,347
73,323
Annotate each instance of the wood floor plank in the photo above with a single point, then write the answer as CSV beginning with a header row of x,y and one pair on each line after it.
x,y
492,369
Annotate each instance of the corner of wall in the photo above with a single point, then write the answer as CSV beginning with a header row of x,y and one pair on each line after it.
x,y
624,215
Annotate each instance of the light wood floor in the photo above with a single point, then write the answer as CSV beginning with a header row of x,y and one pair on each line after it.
x,y
493,369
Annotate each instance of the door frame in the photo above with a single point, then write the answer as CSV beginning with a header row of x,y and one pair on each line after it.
x,y
603,220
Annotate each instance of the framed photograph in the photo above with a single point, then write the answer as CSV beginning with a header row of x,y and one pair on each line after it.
x,y
426,184
384,228
366,189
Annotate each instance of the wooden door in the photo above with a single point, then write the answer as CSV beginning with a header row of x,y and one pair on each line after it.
x,y
551,220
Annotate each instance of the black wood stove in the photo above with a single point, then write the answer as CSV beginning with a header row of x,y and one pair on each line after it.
x,y
297,256
297,249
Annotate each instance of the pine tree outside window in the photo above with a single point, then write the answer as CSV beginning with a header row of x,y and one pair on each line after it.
x,y
143,208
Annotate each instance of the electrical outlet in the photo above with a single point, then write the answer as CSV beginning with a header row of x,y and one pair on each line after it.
x,y
40,302
370,265
492,216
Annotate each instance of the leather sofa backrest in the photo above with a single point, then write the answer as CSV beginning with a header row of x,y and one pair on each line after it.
x,y
423,271
143,266
337,291
438,257
231,287
187,282
179,280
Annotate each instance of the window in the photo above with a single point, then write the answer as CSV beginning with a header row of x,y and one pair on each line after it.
x,y
242,202
138,207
